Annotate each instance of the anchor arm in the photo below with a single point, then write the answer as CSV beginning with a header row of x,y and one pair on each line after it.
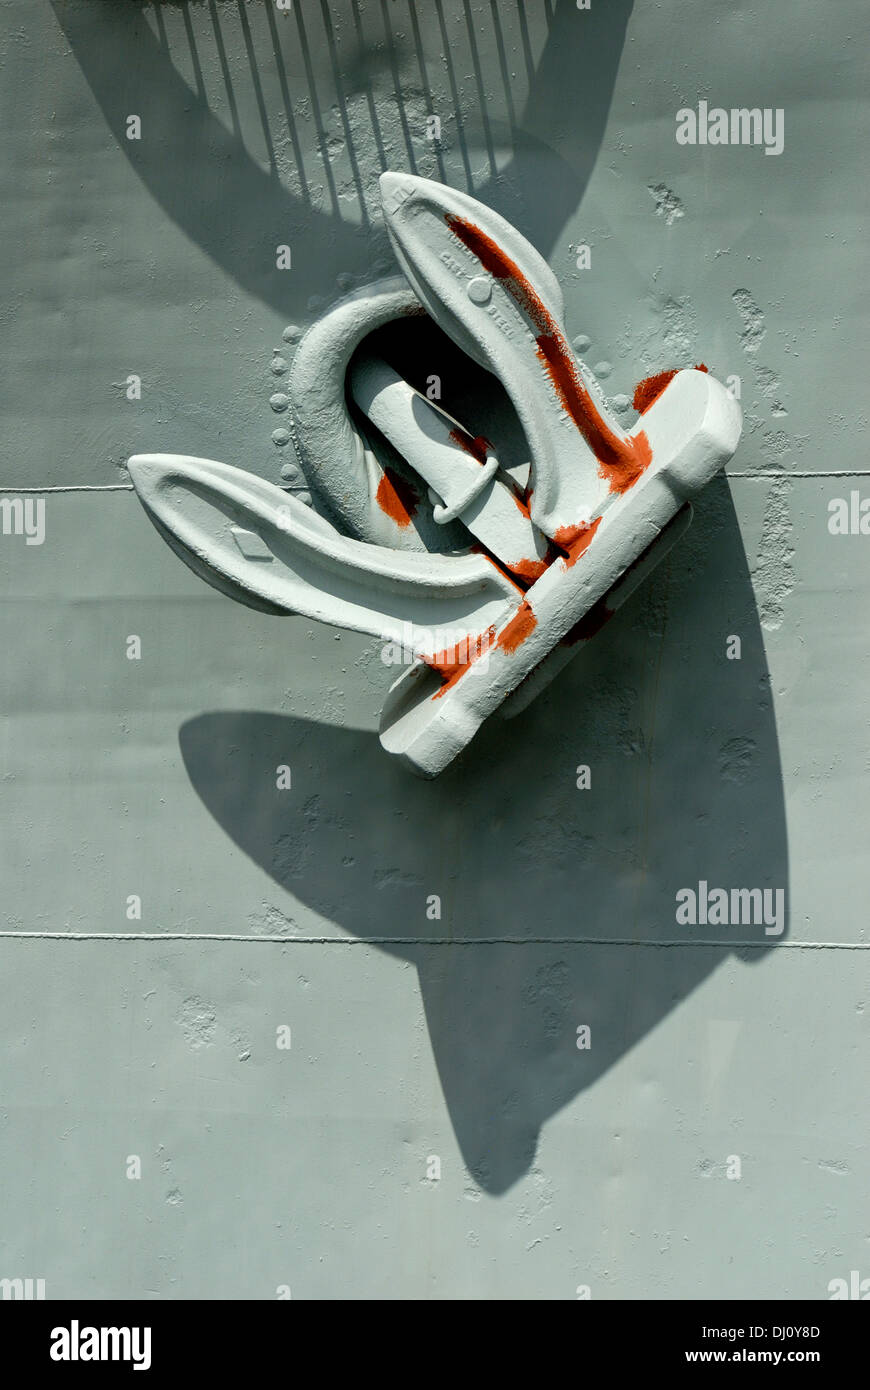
x,y
263,547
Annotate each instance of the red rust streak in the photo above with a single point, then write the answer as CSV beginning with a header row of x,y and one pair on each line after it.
x,y
652,387
520,626
478,549
450,667
521,573
530,570
512,636
397,497
522,504
575,540
478,447
621,459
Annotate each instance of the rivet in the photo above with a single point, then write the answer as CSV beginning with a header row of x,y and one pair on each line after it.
x,y
480,289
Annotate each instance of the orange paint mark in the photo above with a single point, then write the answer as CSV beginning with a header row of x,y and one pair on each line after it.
x,y
452,664
397,497
575,540
522,504
621,459
521,573
652,387
530,570
518,628
649,390
478,549
478,447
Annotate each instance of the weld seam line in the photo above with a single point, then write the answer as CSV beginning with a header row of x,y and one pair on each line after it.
x,y
75,487
767,473
717,943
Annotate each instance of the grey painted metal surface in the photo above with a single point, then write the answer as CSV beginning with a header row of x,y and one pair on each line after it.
x,y
416,1037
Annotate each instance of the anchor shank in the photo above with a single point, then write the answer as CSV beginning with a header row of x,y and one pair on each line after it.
x,y
461,470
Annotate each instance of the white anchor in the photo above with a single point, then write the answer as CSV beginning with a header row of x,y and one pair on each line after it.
x,y
489,627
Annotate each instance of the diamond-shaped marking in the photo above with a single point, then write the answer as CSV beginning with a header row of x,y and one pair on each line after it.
x,y
252,546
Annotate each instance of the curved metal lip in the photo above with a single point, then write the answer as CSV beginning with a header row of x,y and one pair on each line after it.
x,y
335,453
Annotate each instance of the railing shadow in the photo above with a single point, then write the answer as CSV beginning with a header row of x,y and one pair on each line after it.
x,y
238,212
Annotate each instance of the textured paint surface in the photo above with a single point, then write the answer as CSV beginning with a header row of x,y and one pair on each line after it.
x,y
414,1037
622,461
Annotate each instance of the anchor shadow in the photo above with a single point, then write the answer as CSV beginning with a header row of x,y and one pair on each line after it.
x,y
542,886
